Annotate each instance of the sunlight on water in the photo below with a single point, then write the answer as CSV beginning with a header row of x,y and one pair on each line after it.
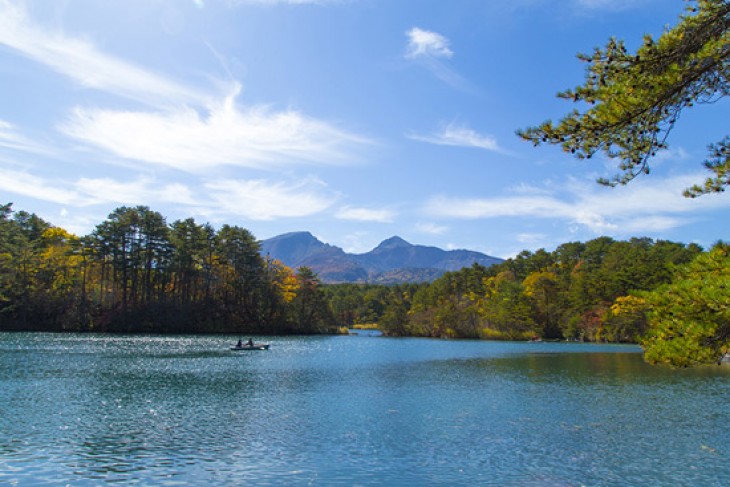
x,y
90,409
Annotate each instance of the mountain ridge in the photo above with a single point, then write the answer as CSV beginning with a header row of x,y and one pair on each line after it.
x,y
393,261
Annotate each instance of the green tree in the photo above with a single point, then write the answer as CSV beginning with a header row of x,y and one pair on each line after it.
x,y
191,261
134,243
689,319
243,273
394,321
632,101
311,312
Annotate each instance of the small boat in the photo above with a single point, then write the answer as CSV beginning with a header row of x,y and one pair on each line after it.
x,y
255,346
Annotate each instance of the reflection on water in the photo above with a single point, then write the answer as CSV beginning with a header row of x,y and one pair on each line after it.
x,y
90,409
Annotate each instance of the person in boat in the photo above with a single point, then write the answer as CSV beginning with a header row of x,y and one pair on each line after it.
x,y
250,342
239,344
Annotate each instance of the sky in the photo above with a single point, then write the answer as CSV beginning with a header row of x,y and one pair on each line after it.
x,y
355,120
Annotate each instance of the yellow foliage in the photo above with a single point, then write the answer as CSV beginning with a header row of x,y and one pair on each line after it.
x,y
57,236
628,305
288,288
539,282
366,326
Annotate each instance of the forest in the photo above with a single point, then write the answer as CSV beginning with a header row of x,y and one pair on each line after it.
x,y
137,274
672,298
581,291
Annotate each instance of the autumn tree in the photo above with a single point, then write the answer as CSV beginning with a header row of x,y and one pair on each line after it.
x,y
58,279
631,101
542,288
506,309
626,319
280,289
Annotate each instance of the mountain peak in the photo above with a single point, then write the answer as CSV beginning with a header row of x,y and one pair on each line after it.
x,y
393,242
295,246
302,235
393,261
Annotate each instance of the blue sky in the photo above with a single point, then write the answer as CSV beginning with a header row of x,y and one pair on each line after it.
x,y
353,119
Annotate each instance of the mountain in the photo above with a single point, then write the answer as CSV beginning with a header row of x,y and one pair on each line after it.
x,y
393,261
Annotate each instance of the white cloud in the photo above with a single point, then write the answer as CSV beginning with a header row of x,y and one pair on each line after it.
x,y
356,243
430,50
432,228
253,199
644,205
85,192
81,61
424,43
459,136
12,140
19,182
185,140
140,191
190,128
531,238
530,189
264,200
365,214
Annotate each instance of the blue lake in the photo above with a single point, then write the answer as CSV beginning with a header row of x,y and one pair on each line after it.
x,y
353,410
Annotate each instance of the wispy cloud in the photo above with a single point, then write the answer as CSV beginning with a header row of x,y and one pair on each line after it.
x,y
84,192
654,205
23,183
188,128
142,190
265,200
431,228
365,214
430,50
185,140
81,61
427,44
253,199
531,238
357,242
459,136
12,140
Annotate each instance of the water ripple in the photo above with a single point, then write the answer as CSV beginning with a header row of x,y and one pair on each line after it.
x,y
161,410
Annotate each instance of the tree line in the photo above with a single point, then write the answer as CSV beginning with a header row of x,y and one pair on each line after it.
x,y
571,293
136,273
672,298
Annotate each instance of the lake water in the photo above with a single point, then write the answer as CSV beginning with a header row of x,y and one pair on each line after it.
x,y
353,410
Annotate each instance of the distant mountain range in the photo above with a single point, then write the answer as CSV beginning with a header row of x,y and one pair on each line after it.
x,y
393,261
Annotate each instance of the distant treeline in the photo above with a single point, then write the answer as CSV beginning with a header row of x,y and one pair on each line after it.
x,y
581,291
136,273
